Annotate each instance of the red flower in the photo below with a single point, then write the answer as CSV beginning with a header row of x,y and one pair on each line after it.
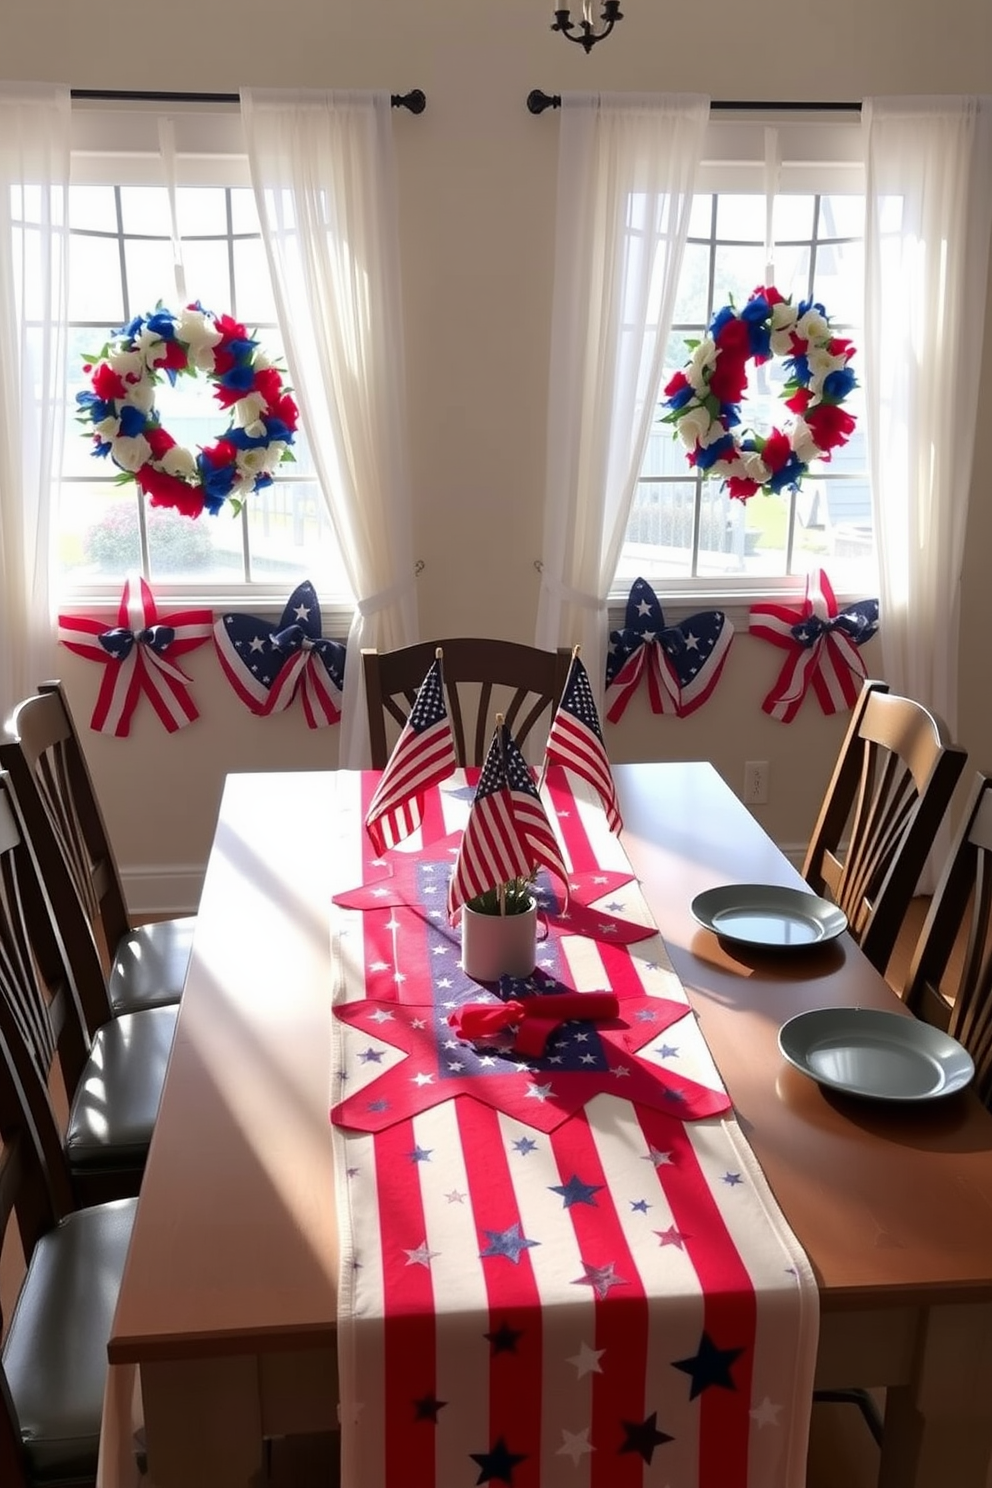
x,y
230,329
159,440
268,382
776,451
729,379
740,489
678,382
770,293
800,400
175,356
285,409
221,453
840,346
831,426
227,396
108,384
734,337
169,490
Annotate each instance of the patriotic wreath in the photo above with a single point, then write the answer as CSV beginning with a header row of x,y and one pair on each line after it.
x,y
125,425
704,398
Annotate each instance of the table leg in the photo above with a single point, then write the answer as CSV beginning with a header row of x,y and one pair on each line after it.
x,y
938,1426
203,1423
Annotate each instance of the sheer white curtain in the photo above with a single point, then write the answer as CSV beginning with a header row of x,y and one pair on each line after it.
x,y
626,172
929,209
34,185
323,172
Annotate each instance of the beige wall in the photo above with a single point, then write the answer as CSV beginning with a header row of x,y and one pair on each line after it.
x,y
477,183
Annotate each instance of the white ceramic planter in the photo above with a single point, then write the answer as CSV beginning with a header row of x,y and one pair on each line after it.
x,y
498,945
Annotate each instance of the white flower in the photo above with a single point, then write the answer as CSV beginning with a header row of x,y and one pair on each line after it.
x,y
781,343
140,395
821,363
813,327
107,428
260,361
179,462
275,453
694,426
200,336
252,461
131,453
703,360
783,316
127,364
754,466
256,430
803,443
247,411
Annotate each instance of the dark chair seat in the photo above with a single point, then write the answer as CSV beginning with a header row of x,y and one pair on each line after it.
x,y
148,966
55,1353
116,1101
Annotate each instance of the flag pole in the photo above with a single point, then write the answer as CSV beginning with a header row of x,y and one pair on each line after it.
x,y
501,888
544,763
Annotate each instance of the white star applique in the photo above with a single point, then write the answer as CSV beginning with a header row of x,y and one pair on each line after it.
x,y
575,1444
586,1361
422,1256
765,1414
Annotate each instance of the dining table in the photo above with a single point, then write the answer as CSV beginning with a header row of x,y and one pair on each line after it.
x,y
225,1330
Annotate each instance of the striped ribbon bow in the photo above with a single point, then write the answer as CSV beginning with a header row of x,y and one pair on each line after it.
x,y
137,656
683,662
268,664
822,642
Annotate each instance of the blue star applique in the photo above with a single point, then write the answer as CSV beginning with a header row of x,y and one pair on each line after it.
x,y
576,1192
427,1408
507,1243
498,1462
709,1366
504,1339
643,1437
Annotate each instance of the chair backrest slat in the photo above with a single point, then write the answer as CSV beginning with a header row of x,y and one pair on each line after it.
x,y
949,982
65,828
891,786
481,677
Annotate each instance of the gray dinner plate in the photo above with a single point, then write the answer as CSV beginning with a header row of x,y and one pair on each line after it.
x,y
865,1051
769,916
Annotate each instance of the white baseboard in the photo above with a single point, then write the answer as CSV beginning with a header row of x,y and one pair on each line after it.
x,y
162,888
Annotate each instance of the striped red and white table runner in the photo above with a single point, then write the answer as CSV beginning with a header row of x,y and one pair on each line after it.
x,y
595,1295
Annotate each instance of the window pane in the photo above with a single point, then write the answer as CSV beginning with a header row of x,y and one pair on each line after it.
x,y
291,537
206,270
150,275
98,533
145,210
253,290
202,212
95,292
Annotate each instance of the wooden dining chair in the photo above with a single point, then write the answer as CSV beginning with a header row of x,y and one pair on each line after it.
x,y
949,982
53,1363
481,677
891,786
113,1079
62,816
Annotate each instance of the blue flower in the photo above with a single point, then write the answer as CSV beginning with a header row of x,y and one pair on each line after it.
x,y
240,377
838,384
788,477
216,481
682,396
96,408
720,319
132,421
713,452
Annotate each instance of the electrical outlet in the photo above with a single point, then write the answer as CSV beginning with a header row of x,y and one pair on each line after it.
x,y
756,782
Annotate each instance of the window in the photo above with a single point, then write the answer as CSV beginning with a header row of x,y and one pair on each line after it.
x,y
781,204
122,263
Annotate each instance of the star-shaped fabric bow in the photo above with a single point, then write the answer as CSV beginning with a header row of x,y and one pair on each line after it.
x,y
822,642
683,662
137,656
267,664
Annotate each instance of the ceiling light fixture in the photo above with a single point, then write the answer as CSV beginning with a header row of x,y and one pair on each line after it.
x,y
585,32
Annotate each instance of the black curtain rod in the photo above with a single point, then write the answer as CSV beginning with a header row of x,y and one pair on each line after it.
x,y
415,101
537,102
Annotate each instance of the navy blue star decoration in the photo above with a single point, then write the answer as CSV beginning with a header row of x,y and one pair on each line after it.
x,y
683,662
709,1366
269,664
497,1464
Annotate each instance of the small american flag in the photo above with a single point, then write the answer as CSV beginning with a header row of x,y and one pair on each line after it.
x,y
575,740
424,756
508,834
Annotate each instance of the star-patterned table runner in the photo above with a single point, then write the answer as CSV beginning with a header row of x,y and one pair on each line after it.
x,y
556,1272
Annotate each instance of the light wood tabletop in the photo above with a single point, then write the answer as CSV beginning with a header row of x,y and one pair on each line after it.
x,y
228,1300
